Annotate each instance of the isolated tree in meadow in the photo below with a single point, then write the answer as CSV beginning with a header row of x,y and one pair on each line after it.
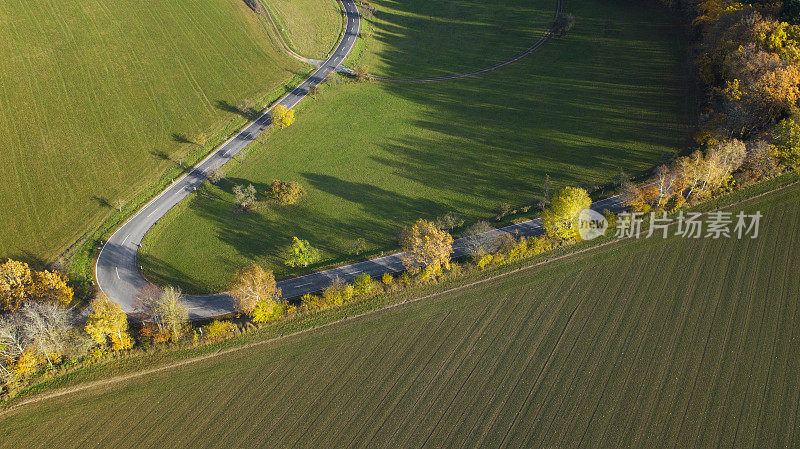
x,y
253,285
215,176
51,286
361,73
285,192
425,245
282,116
302,254
244,197
560,218
107,324
118,204
357,245
787,143
449,221
15,283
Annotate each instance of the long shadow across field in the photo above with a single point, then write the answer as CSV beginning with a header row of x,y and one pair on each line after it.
x,y
609,96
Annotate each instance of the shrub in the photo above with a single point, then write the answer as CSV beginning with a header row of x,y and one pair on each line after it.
x,y
363,285
405,279
219,330
337,293
268,310
27,363
449,221
285,192
215,176
311,302
502,209
387,279
538,245
150,332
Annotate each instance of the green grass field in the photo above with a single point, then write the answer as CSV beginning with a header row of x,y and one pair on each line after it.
x,y
375,156
649,343
419,38
310,27
97,96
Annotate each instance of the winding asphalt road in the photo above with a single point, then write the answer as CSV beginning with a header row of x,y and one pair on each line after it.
x,y
117,271
119,275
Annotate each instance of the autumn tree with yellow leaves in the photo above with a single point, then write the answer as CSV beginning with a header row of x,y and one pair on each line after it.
x,y
252,286
19,284
282,116
425,245
107,324
15,285
560,218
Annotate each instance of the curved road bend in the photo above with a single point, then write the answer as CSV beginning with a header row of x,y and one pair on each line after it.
x,y
117,271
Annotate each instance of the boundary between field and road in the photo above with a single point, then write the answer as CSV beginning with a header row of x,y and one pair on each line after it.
x,y
268,15
390,306
117,270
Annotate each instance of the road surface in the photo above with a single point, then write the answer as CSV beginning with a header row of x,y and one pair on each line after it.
x,y
119,275
117,271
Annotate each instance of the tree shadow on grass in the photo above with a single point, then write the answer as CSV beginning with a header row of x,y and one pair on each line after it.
x,y
578,109
249,112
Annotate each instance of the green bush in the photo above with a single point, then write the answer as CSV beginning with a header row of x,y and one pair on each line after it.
x,y
363,285
219,330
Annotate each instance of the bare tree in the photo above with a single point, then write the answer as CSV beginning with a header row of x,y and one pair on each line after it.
x,y
46,327
11,341
479,240
165,308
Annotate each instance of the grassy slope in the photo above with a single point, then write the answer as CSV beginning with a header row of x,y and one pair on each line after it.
x,y
654,343
309,27
94,92
375,156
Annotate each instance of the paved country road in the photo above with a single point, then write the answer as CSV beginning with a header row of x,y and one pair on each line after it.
x,y
118,273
